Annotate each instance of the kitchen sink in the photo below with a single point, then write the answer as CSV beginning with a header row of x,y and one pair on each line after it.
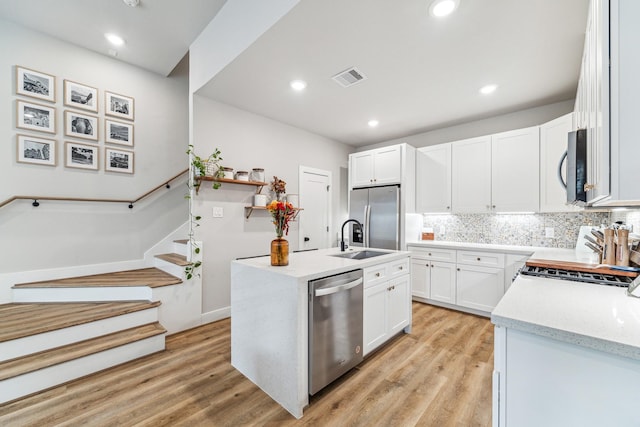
x,y
360,254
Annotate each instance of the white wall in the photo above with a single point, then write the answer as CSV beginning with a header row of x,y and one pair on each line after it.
x,y
250,141
59,234
516,120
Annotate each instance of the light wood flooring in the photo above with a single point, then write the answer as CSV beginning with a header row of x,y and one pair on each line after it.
x,y
439,375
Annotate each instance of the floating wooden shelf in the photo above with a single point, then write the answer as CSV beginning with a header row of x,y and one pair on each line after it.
x,y
256,184
248,210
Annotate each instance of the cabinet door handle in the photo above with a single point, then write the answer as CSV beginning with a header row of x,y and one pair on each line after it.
x,y
377,274
448,207
458,269
478,259
429,253
401,268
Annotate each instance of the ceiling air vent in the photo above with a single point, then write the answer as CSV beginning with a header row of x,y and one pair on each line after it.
x,y
349,77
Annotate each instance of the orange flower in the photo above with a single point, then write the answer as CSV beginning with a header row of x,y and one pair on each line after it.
x,y
282,213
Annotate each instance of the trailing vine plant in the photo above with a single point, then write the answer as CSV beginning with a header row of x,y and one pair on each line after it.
x,y
199,169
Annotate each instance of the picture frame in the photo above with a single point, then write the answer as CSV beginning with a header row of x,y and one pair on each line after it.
x,y
118,160
119,105
32,116
38,151
116,132
35,84
80,125
81,156
81,96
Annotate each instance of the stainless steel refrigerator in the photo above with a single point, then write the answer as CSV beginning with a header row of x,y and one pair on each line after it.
x,y
378,210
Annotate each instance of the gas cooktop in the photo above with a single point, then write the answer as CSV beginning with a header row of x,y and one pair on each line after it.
x,y
577,276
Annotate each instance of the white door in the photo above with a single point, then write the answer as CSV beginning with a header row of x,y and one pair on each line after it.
x,y
315,200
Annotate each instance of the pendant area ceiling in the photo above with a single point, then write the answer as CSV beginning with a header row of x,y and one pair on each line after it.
x,y
422,73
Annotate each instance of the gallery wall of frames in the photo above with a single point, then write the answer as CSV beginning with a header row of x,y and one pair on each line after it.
x,y
98,125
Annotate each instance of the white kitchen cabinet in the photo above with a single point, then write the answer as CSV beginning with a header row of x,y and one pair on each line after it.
x,y
553,145
420,277
387,302
480,288
381,166
471,175
515,172
433,179
443,282
607,102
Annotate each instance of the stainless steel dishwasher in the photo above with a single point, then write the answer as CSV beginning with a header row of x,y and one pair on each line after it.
x,y
335,327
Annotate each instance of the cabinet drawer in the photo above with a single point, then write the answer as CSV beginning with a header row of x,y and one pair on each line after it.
x,y
486,259
375,274
434,254
398,268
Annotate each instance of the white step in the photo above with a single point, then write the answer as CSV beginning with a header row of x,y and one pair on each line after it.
x,y
23,385
35,343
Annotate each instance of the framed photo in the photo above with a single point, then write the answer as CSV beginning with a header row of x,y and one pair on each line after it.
x,y
80,125
81,156
118,132
35,84
118,160
36,117
39,151
80,96
118,105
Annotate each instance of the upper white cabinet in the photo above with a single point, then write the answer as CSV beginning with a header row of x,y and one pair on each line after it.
x,y
607,102
515,173
433,179
553,145
381,166
471,175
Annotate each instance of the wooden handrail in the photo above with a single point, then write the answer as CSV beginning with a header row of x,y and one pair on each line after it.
x,y
81,199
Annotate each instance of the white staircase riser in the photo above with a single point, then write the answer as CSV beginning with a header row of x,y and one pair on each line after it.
x,y
169,267
82,294
48,340
181,248
181,305
23,385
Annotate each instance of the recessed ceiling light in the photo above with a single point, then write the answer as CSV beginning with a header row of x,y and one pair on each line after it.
x,y
114,39
486,90
440,8
373,123
298,85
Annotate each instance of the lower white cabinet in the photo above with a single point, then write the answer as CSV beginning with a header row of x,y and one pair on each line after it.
x,y
465,279
386,306
479,288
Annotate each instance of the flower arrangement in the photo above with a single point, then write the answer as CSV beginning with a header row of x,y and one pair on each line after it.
x,y
278,186
282,213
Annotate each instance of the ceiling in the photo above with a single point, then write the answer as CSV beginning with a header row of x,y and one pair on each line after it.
x,y
423,73
157,33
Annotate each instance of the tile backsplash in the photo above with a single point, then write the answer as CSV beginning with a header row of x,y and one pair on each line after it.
x,y
515,229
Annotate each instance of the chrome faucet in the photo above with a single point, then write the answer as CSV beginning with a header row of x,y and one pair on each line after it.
x,y
343,246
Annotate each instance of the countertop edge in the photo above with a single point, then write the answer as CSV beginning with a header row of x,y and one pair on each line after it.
x,y
593,343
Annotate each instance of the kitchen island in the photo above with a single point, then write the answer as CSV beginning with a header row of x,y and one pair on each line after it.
x,y
269,315
566,353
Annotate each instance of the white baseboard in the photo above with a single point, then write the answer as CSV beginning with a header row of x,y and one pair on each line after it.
x,y
215,315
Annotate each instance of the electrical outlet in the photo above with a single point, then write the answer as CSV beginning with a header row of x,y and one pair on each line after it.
x,y
549,232
441,230
218,212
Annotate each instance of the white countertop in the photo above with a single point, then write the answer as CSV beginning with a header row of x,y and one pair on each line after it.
x,y
314,264
595,316
489,247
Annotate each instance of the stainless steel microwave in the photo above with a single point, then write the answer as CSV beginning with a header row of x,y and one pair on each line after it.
x,y
576,156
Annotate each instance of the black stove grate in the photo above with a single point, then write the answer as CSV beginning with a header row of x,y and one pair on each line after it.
x,y
577,276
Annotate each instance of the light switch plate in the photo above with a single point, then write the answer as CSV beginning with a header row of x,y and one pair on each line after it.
x,y
218,212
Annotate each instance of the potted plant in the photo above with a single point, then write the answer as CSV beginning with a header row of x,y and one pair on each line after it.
x,y
200,166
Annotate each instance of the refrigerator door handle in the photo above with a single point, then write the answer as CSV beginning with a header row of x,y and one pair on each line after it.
x,y
367,222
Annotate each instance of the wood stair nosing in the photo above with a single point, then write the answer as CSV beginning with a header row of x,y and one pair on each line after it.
x,y
20,320
34,362
152,277
181,241
177,259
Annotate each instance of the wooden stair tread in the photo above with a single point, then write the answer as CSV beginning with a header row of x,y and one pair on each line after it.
x,y
152,277
181,241
44,359
21,320
177,259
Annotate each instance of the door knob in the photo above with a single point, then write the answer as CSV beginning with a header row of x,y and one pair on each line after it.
x,y
306,239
